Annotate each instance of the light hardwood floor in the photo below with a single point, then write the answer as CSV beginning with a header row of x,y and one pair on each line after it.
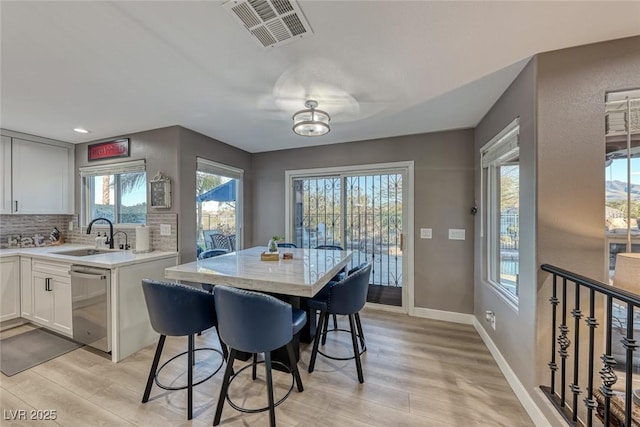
x,y
418,372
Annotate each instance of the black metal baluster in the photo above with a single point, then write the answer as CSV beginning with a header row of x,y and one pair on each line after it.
x,y
591,321
607,375
631,345
577,315
553,366
564,343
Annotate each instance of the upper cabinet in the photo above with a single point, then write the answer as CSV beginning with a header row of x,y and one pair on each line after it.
x,y
36,177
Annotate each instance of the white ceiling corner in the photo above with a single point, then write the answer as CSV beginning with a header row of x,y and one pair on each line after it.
x,y
379,68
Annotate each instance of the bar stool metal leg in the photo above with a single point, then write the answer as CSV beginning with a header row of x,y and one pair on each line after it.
x,y
360,332
354,340
294,366
190,362
254,369
272,408
154,366
325,328
316,340
225,386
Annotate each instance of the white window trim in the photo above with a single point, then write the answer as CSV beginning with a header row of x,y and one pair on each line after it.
x,y
500,149
105,169
408,299
215,168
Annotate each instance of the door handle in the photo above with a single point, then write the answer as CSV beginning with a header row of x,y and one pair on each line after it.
x,y
16,209
47,284
401,241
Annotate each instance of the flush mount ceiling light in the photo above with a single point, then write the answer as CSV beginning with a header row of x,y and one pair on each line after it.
x,y
81,130
311,122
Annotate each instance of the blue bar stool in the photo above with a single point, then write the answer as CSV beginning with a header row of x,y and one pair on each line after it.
x,y
346,297
179,310
287,245
341,275
210,253
253,322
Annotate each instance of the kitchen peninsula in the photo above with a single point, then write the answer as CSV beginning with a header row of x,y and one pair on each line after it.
x,y
37,286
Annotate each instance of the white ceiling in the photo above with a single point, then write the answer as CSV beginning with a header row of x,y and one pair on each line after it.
x,y
379,68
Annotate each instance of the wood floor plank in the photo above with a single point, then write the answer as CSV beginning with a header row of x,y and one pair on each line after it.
x,y
418,372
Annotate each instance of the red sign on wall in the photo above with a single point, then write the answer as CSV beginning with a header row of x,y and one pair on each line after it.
x,y
109,149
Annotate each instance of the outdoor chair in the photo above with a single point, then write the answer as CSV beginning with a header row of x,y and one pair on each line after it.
x,y
220,241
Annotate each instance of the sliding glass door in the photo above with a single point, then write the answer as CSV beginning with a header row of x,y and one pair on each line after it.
x,y
358,210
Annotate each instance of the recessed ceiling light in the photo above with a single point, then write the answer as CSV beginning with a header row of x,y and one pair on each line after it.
x,y
81,130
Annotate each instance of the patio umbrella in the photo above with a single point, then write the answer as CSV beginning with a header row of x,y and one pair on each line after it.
x,y
222,193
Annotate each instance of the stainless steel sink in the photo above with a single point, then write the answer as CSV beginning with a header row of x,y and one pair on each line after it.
x,y
83,252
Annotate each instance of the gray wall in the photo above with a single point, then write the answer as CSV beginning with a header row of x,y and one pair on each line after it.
x,y
173,151
559,98
515,329
443,196
193,145
571,144
158,147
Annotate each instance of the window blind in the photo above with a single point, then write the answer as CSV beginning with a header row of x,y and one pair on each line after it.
x,y
114,168
502,146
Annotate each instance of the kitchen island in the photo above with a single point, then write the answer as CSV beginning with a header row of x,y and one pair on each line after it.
x,y
39,289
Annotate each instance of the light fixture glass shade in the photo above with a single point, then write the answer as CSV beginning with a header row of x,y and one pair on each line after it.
x,y
311,122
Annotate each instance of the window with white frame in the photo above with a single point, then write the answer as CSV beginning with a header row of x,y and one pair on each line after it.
x,y
501,210
116,191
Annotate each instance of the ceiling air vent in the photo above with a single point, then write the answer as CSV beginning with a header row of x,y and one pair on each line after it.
x,y
270,22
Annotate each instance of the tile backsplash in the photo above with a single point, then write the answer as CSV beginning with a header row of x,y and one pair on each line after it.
x,y
17,227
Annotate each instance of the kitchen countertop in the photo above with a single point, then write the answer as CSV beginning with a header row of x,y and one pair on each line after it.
x,y
114,258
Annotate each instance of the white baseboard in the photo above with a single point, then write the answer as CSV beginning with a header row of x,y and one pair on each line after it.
x,y
447,316
383,307
526,400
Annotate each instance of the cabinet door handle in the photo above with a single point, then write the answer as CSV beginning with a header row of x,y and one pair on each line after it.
x,y
16,202
47,284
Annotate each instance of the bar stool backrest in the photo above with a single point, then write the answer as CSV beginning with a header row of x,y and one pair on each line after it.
x,y
178,310
252,322
350,295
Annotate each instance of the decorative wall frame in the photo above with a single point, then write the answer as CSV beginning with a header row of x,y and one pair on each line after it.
x,y
108,150
160,191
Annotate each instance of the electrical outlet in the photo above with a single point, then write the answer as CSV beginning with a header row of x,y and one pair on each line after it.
x,y
490,317
70,225
425,233
165,229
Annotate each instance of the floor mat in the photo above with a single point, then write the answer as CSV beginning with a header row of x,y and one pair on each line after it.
x,y
32,348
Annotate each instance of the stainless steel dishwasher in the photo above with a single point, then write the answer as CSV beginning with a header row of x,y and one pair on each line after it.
x,y
91,305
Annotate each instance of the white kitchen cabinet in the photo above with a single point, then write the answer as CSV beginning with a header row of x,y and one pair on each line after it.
x,y
37,176
5,175
51,286
26,288
9,288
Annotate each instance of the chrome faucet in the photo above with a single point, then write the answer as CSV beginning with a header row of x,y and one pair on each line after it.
x,y
110,241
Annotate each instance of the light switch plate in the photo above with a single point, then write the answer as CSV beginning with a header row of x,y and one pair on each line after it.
x,y
426,233
457,234
165,229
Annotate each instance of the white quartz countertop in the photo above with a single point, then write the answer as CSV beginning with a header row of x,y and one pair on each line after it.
x,y
111,259
304,275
